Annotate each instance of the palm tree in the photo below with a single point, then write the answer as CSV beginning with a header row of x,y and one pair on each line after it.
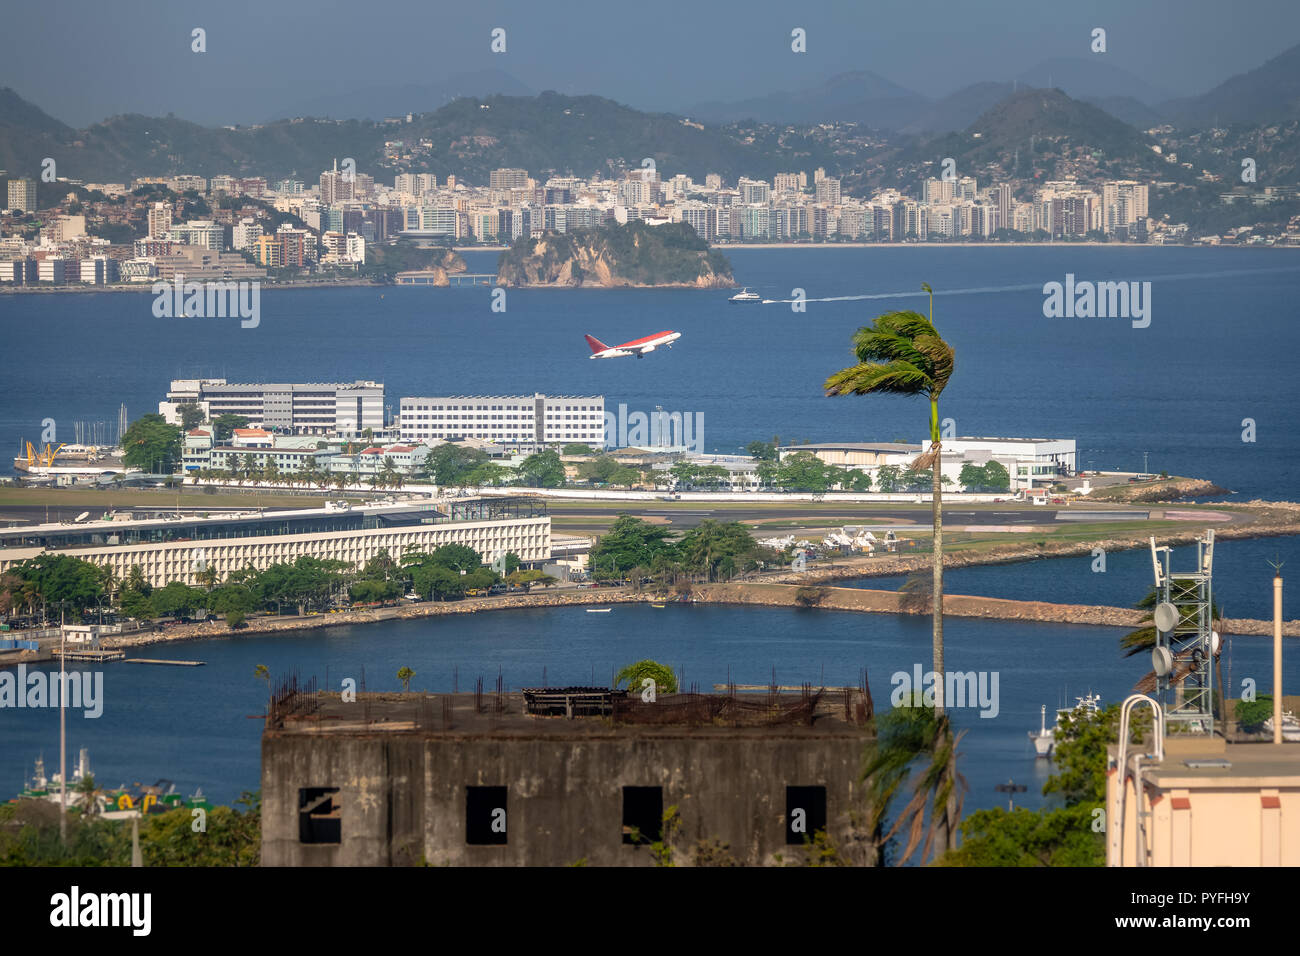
x,y
906,733
901,353
87,795
404,675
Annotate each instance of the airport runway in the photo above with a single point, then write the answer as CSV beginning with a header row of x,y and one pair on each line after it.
x,y
818,515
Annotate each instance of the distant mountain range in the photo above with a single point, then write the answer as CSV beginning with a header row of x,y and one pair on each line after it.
x,y
378,102
1270,93
587,135
545,134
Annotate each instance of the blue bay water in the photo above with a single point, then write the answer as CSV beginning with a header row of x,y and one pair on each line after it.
x,y
197,726
1220,348
1243,578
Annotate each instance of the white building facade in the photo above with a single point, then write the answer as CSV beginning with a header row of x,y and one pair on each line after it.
x,y
505,419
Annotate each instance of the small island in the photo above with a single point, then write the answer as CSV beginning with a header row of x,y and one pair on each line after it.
x,y
634,255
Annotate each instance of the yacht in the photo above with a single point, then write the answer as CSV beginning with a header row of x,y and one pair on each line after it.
x,y
1290,727
1044,738
745,296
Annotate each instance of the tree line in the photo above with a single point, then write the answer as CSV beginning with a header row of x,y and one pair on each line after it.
x,y
60,585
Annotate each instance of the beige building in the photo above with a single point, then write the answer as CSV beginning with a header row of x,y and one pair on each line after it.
x,y
854,454
1206,803
261,539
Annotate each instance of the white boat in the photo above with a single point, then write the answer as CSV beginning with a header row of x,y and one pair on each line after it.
x,y
1045,738
1290,727
599,610
745,296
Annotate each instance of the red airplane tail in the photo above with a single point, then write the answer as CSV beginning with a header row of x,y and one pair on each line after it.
x,y
596,344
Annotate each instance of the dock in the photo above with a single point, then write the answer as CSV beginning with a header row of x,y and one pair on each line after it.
x,y
148,660
97,657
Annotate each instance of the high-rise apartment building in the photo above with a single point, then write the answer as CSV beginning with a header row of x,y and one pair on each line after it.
x,y
22,195
508,179
160,220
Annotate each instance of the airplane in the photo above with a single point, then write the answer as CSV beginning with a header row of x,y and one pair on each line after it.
x,y
637,347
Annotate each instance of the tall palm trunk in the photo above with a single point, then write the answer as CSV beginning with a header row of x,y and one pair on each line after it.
x,y
942,829
937,511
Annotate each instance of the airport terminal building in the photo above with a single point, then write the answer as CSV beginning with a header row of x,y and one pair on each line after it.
x,y
171,549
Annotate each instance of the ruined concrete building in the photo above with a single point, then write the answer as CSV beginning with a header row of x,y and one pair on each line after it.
x,y
558,776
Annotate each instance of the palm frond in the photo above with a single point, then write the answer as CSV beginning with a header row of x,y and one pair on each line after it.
x,y
867,378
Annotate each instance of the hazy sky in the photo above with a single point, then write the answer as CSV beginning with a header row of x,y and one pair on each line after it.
x,y
83,60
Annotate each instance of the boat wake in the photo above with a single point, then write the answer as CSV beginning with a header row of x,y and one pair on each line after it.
x,y
1024,287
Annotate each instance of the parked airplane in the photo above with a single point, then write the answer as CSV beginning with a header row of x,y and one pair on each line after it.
x,y
637,347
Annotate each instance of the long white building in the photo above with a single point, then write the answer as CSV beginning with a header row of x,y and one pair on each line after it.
x,y
505,419
167,549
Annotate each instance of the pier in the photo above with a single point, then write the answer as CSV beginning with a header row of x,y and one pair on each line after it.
x,y
149,660
97,657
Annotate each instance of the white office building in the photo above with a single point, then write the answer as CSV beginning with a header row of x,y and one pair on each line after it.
x,y
506,419
300,409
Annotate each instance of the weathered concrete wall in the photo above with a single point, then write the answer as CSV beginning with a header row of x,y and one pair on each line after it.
x,y
565,799
379,781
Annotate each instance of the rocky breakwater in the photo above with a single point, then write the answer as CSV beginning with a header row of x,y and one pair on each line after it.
x,y
276,625
955,605
1168,489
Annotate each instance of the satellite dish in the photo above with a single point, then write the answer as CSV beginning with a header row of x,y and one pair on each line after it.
x,y
1215,642
1166,616
1162,662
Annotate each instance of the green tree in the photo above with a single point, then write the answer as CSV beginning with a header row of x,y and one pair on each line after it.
x,y
1062,836
404,674
889,478
527,578
718,550
449,464
543,470
629,542
223,427
804,471
996,477
633,674
151,445
60,579
191,415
